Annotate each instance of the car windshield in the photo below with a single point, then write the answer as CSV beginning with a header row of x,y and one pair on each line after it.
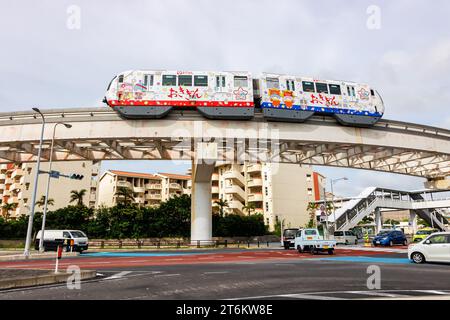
x,y
338,234
290,232
310,232
384,232
78,234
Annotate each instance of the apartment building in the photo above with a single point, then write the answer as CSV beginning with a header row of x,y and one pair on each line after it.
x,y
148,189
281,192
16,184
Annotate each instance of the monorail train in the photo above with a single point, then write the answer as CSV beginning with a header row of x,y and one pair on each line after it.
x,y
235,95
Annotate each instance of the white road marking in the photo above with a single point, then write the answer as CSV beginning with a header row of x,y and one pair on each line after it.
x,y
378,294
433,292
216,272
118,275
168,275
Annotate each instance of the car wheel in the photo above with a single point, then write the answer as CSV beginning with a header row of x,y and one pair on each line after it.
x,y
356,241
346,242
330,251
418,258
312,250
391,243
405,243
299,249
286,247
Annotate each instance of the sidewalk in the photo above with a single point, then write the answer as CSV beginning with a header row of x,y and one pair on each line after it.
x,y
18,255
18,278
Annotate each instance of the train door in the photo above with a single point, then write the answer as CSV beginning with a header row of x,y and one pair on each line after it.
x,y
220,83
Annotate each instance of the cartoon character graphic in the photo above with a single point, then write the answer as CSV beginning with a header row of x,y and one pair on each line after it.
x,y
275,97
363,94
288,98
240,94
125,91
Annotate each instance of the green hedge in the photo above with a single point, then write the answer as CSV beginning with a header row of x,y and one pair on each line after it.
x,y
170,219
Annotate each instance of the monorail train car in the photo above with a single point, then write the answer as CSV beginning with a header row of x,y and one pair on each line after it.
x,y
235,95
152,94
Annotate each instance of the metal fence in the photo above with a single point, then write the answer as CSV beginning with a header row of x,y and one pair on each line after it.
x,y
163,244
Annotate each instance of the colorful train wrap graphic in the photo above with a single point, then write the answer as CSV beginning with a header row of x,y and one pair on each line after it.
x,y
235,95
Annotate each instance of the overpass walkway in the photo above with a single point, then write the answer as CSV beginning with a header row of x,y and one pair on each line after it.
x,y
426,204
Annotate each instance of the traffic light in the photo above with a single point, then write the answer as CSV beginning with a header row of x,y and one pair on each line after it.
x,y
76,176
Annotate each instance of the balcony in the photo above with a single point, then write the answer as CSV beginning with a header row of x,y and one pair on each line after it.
x,y
139,200
237,191
17,173
2,177
255,182
256,167
255,197
153,196
13,200
138,189
214,177
235,176
214,189
154,186
124,184
174,186
236,206
15,186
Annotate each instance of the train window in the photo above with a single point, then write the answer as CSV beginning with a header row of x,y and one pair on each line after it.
x,y
321,87
201,81
120,78
240,81
335,89
220,81
372,93
148,80
308,86
185,80
273,83
169,80
290,85
348,91
353,91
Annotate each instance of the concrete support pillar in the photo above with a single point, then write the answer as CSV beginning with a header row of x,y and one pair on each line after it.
x,y
413,221
378,220
201,207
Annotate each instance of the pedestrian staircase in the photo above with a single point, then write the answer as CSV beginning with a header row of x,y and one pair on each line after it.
x,y
352,212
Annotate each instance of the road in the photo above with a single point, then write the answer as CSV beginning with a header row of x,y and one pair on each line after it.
x,y
242,274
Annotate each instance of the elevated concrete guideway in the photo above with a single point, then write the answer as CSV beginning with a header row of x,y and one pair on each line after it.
x,y
101,134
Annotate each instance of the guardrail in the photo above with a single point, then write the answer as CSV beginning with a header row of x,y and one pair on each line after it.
x,y
176,244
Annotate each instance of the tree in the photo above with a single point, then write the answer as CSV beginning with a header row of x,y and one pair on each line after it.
x,y
312,208
222,204
7,207
41,203
124,195
77,196
249,208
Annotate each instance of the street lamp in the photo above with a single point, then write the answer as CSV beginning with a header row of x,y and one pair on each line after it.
x,y
332,198
41,240
26,252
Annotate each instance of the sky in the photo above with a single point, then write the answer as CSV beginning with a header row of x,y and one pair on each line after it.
x,y
62,54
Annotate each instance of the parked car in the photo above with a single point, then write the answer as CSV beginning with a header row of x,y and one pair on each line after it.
x,y
345,237
423,234
435,248
288,238
389,238
311,241
54,238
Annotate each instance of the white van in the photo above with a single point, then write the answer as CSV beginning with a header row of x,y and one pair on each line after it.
x,y
53,238
345,237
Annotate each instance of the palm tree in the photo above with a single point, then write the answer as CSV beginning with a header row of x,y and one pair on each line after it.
x,y
77,196
312,207
222,204
249,208
124,195
7,207
40,203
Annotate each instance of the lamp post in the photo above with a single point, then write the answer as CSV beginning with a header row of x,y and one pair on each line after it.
x,y
41,240
332,198
26,252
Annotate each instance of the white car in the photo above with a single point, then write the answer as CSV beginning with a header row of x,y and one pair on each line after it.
x,y
345,237
434,248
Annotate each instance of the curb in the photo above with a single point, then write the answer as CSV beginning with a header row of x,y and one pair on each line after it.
x,y
50,278
14,257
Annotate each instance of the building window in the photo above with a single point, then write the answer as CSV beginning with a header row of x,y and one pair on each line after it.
x,y
185,80
240,81
273,83
201,81
308,177
266,191
276,219
310,192
308,86
267,220
169,80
